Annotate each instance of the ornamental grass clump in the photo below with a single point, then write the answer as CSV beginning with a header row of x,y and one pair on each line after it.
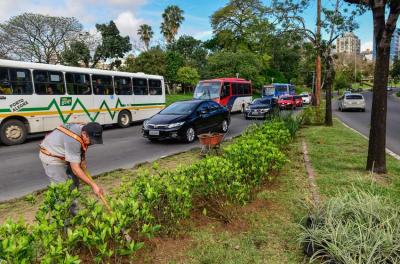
x,y
356,227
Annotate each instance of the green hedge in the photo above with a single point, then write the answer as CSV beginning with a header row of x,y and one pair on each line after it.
x,y
150,203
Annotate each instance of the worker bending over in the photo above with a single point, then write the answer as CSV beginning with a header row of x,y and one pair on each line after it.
x,y
63,154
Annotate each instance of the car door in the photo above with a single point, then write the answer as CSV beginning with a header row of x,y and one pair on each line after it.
x,y
216,115
203,123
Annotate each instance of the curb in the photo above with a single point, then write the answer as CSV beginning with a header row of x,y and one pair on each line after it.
x,y
388,151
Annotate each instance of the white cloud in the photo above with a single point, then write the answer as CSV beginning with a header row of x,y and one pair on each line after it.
x,y
128,24
366,45
86,11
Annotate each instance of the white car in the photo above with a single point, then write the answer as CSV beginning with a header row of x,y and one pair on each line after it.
x,y
306,98
351,101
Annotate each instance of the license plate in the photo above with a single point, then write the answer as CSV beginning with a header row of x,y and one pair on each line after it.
x,y
256,113
154,133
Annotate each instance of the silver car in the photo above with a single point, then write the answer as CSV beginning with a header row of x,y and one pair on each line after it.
x,y
351,101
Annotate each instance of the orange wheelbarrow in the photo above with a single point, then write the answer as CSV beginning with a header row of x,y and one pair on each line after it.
x,y
210,142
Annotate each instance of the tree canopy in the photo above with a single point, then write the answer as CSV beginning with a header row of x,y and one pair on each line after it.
x,y
36,37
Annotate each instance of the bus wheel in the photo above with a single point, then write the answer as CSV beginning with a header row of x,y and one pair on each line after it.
x,y
124,119
13,132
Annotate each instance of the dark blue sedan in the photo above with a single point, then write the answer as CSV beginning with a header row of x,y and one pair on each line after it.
x,y
261,108
187,119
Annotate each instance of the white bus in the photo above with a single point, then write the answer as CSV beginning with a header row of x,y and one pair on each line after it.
x,y
39,97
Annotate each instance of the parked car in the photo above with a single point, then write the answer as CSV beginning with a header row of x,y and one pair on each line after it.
x,y
351,101
186,119
299,100
306,98
389,88
287,102
261,108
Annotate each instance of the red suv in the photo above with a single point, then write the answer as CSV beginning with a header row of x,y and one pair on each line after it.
x,y
287,102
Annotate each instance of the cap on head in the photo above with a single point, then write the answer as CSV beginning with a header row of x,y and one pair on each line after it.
x,y
95,132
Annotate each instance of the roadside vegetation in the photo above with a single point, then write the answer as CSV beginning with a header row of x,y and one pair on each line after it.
x,y
156,201
356,221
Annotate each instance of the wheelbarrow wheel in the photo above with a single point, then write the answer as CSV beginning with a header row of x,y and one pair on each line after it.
x,y
190,135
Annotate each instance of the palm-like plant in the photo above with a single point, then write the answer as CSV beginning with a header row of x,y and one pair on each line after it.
x,y
145,33
172,19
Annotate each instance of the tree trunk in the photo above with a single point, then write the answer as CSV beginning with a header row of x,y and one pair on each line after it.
x,y
377,136
317,95
328,88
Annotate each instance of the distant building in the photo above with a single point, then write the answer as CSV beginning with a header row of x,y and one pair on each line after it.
x,y
348,43
394,46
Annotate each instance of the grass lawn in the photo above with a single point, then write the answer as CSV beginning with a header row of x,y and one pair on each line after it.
x,y
339,156
171,98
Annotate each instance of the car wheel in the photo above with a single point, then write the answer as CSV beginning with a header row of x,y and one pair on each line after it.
x,y
224,126
124,119
190,135
13,132
363,110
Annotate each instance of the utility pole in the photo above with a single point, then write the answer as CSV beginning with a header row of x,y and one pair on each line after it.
x,y
318,60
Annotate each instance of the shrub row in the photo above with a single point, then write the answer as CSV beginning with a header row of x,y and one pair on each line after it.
x,y
149,203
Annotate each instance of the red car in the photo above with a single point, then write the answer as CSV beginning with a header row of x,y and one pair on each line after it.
x,y
299,100
287,102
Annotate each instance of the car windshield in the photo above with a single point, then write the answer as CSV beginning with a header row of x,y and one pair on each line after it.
x,y
286,98
304,95
179,108
261,101
354,97
207,90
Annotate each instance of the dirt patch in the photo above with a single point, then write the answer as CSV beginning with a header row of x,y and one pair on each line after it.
x,y
164,250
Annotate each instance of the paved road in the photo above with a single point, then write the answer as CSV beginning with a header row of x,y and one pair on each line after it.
x,y
21,172
361,121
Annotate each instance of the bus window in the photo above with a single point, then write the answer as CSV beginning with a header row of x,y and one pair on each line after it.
x,y
247,89
15,81
235,88
78,83
102,85
226,90
155,87
48,82
123,85
5,85
140,86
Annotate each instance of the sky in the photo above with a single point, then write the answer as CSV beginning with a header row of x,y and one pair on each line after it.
x,y
129,14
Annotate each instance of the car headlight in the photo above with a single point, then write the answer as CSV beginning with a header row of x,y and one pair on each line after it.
x,y
145,123
175,124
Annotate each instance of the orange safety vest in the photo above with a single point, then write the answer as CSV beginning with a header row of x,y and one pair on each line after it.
x,y
70,134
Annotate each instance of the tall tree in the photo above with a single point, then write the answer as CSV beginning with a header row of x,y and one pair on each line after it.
x,y
145,33
335,21
38,38
239,23
89,49
113,45
76,54
385,14
172,20
192,50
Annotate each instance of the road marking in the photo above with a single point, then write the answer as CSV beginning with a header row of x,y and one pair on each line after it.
x,y
388,151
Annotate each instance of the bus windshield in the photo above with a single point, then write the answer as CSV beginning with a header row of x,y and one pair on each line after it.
x,y
207,90
269,91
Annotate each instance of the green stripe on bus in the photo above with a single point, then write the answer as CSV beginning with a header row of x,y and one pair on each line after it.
x,y
76,103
